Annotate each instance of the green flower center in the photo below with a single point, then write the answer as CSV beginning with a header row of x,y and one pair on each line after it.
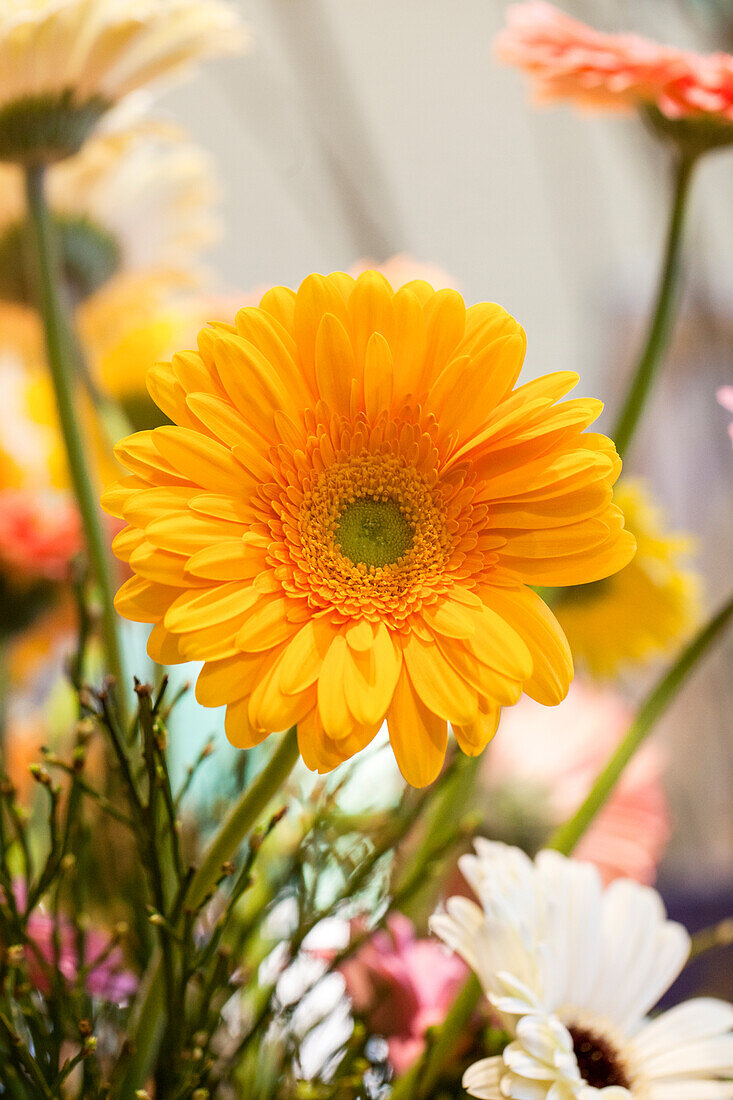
x,y
89,258
373,532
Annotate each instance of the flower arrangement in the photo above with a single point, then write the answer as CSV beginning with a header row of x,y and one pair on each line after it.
x,y
380,554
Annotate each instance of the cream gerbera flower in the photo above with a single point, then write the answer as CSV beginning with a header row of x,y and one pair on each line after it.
x,y
63,63
346,515
573,970
137,200
647,609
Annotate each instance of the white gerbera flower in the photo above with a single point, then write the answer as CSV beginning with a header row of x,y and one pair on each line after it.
x,y
141,199
573,970
107,47
64,62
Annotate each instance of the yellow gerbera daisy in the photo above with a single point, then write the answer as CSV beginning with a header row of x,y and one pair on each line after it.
x,y
344,518
138,200
63,63
646,609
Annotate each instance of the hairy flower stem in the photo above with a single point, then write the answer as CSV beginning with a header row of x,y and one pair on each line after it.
x,y
567,836
660,326
62,364
150,1011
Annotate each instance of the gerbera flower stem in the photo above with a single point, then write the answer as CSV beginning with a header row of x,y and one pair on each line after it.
x,y
567,836
662,318
62,364
149,1013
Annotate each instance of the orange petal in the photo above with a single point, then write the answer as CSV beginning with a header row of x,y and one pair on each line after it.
x,y
444,691
418,737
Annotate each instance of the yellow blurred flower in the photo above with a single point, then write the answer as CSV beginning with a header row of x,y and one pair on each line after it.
x,y
133,323
645,610
63,63
32,453
135,200
345,518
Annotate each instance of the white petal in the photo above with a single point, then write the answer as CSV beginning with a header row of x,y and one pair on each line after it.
x,y
700,1018
642,953
690,1090
574,927
706,1057
461,927
482,1078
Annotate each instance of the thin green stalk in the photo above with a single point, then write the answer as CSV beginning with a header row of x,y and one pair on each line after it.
x,y
150,1010
62,364
708,939
567,836
660,326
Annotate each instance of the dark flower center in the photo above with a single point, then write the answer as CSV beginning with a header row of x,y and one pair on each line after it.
x,y
599,1063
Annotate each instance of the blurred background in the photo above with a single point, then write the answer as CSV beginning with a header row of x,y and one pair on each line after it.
x,y
363,128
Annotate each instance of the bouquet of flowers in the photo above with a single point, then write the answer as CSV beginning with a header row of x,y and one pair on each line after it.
x,y
371,545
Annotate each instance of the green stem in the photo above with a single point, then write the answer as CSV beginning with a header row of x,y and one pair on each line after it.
x,y
150,1011
660,326
567,836
707,939
61,360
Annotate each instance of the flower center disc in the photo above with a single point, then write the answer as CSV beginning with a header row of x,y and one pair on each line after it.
x,y
373,532
599,1064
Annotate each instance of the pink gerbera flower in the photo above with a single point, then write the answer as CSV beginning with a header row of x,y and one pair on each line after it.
x,y
403,985
40,533
106,978
567,59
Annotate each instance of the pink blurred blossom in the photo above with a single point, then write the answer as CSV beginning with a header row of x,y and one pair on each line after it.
x,y
725,398
404,986
403,268
40,533
107,978
567,59
557,752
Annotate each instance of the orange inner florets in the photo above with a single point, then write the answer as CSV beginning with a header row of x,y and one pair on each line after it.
x,y
361,493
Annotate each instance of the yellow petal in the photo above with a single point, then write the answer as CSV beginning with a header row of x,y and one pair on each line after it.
x,y
143,601
335,364
319,752
418,737
437,683
590,565
378,376
370,311
552,660
266,624
304,654
228,560
474,739
221,682
163,647
198,609
238,728
200,459
332,706
370,677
